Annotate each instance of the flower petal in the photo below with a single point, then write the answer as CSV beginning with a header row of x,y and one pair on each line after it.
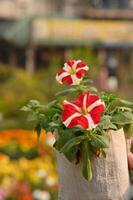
x,y
91,99
90,122
75,64
61,72
60,75
83,99
83,122
80,73
85,102
80,64
79,100
71,106
66,67
66,114
71,120
67,79
96,113
96,103
71,62
75,79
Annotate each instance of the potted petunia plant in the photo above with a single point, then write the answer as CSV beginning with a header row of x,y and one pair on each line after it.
x,y
88,126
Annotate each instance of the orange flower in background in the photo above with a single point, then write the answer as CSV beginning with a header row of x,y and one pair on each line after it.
x,y
21,136
24,137
24,143
24,191
25,197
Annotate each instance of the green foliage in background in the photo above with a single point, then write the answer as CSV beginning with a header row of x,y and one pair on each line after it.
x,y
17,87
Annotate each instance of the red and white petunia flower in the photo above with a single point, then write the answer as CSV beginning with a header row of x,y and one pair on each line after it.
x,y
84,112
72,72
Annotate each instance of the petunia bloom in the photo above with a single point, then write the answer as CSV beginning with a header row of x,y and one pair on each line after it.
x,y
72,72
84,112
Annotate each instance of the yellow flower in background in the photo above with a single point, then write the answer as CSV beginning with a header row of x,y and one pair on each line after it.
x,y
26,160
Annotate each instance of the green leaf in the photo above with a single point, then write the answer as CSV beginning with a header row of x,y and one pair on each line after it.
x,y
32,117
71,155
72,142
38,130
106,123
112,105
103,153
119,103
65,135
124,109
53,124
57,119
128,130
122,118
52,103
65,92
107,98
93,89
99,141
71,147
126,103
85,161
26,109
33,106
34,102
44,123
87,81
50,111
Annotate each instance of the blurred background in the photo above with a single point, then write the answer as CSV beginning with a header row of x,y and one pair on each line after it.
x,y
36,38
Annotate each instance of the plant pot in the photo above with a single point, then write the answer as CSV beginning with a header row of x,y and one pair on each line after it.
x,y
110,175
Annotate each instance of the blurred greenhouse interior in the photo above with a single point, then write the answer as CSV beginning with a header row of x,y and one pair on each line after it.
x,y
36,38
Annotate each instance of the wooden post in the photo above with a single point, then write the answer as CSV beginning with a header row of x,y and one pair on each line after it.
x,y
30,59
131,66
13,58
110,175
30,51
